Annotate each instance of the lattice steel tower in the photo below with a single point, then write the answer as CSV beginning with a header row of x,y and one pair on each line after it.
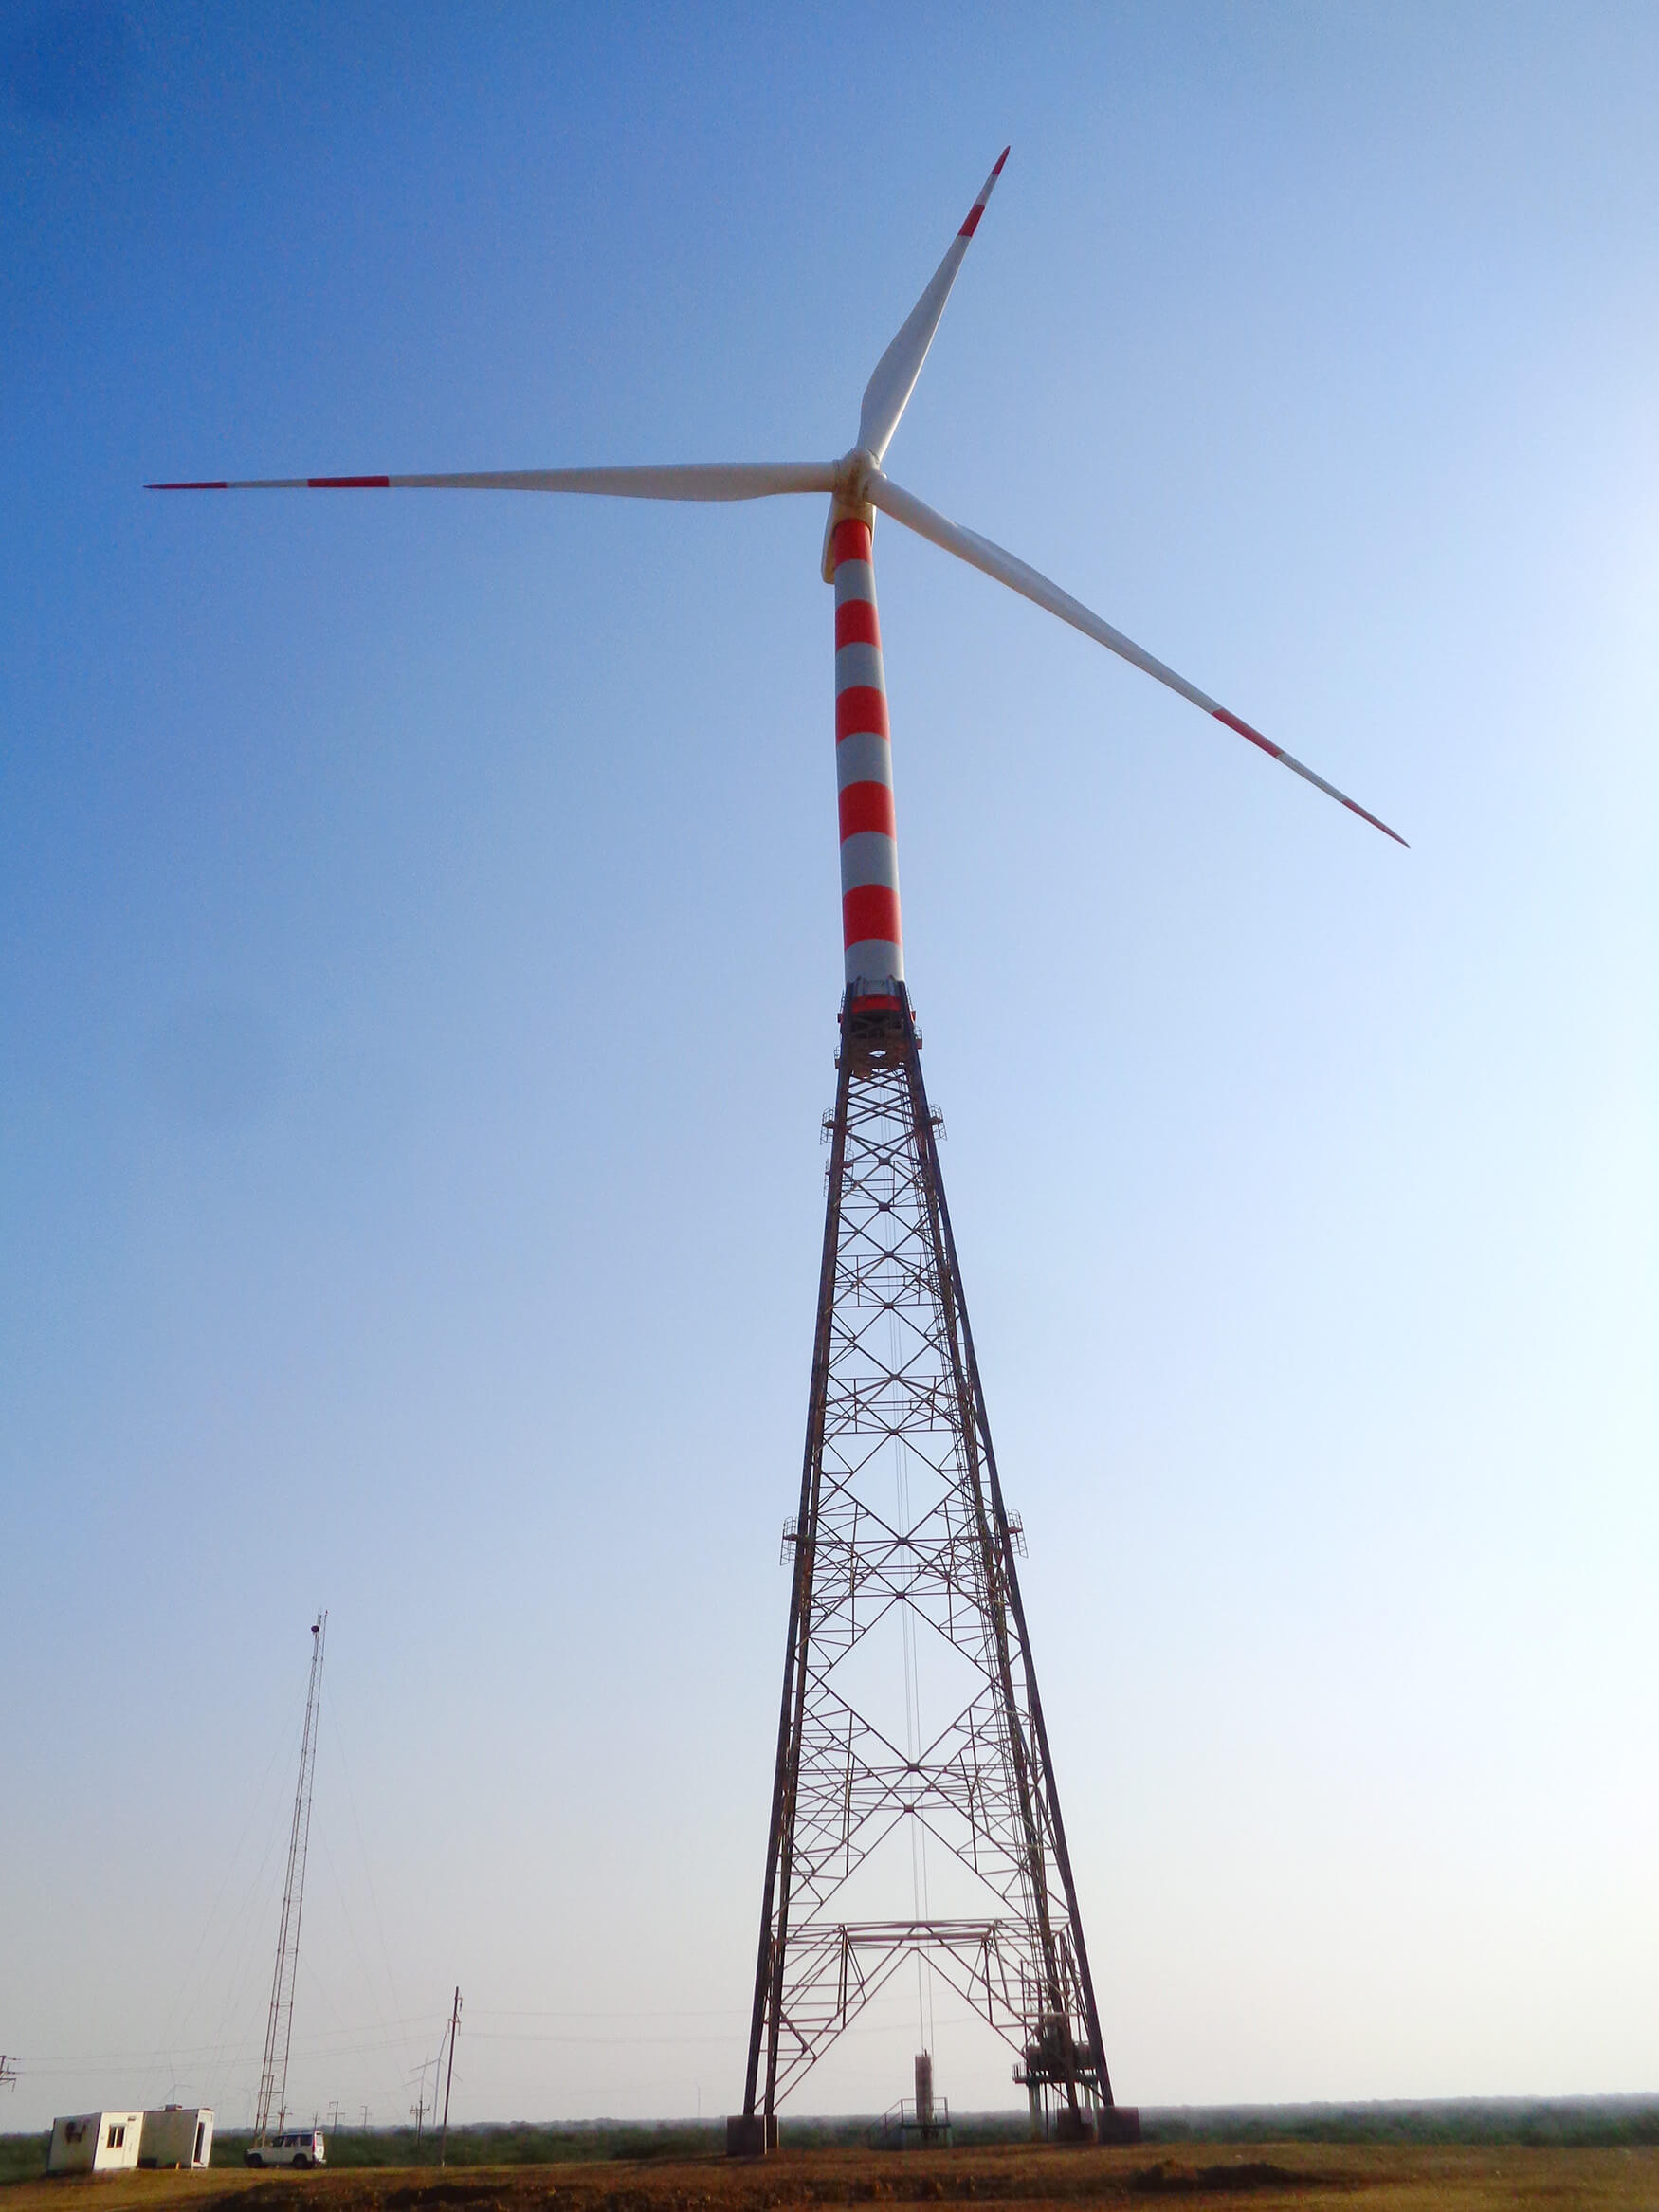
x,y
273,2076
913,1760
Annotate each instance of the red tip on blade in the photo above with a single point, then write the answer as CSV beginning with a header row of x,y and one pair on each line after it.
x,y
1278,753
979,207
1245,730
1354,808
348,484
218,484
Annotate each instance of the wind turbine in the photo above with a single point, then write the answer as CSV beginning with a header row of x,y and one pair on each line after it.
x,y
859,489
895,1385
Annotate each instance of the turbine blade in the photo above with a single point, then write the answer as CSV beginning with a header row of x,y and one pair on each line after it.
x,y
890,389
1007,569
697,480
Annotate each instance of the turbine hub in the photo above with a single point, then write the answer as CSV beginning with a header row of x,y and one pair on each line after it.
x,y
848,501
852,474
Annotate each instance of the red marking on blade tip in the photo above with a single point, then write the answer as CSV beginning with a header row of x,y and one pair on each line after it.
x,y
1245,730
1354,808
213,484
1256,737
348,484
1000,159
972,223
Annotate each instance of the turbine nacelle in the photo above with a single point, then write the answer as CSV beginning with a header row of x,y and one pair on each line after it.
x,y
848,501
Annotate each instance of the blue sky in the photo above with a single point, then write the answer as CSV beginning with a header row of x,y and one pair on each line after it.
x,y
421,964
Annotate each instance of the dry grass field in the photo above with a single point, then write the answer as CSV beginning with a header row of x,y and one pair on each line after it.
x,y
1382,2177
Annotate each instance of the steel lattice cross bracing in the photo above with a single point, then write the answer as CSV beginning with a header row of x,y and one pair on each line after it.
x,y
913,1766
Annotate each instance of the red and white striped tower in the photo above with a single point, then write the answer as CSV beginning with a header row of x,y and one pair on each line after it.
x,y
871,930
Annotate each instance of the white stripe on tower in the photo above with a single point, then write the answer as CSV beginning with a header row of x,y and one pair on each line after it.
x,y
864,771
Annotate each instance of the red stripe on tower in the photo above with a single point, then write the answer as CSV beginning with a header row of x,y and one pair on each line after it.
x,y
866,807
852,541
861,707
870,911
856,623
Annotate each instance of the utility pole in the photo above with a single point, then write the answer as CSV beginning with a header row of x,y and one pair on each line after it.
x,y
8,2072
449,2077
335,2128
365,2119
418,2112
273,2079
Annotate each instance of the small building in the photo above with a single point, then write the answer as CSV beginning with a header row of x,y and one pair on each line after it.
x,y
177,2135
95,2143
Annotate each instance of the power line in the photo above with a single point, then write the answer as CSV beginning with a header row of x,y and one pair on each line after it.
x,y
449,2078
684,2012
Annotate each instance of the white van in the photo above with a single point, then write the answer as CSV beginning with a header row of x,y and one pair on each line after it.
x,y
294,2147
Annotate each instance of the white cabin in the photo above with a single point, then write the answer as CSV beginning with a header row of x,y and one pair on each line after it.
x,y
177,2135
95,2143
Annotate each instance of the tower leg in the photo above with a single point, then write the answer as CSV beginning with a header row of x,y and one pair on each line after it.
x,y
756,2132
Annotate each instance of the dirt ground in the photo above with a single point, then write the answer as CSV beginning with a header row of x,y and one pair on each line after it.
x,y
1385,2178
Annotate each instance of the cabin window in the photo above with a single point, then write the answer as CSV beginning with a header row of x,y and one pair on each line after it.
x,y
201,2130
114,2138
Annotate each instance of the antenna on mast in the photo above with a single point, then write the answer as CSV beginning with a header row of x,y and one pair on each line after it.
x,y
273,2080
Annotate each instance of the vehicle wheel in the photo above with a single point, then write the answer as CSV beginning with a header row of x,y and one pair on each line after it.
x,y
251,2158
301,2160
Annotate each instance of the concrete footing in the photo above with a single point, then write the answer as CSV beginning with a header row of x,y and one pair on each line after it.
x,y
750,2134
